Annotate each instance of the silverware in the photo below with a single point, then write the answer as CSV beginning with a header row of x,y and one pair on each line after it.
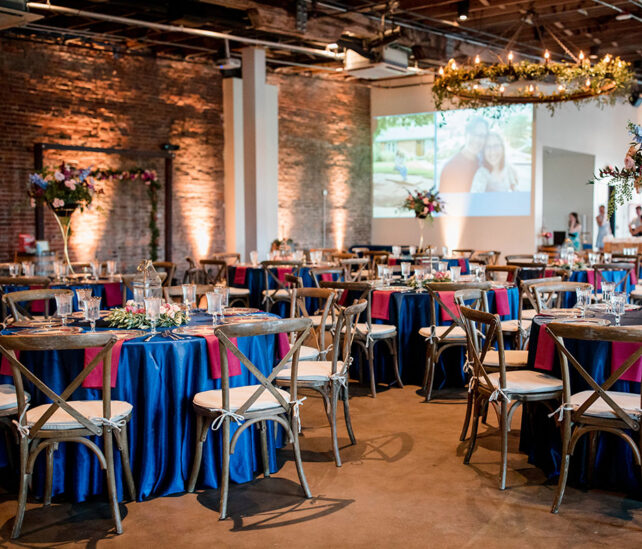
x,y
150,336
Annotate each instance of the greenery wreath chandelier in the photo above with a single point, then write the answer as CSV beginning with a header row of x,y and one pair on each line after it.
x,y
507,82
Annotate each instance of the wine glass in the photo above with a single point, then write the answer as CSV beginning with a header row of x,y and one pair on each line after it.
x,y
214,306
83,294
111,268
254,258
420,275
96,267
14,268
224,292
405,270
93,311
28,268
63,306
583,300
189,295
455,272
607,257
152,311
607,291
618,304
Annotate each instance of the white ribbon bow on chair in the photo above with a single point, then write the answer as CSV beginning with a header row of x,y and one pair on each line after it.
x,y
22,429
216,424
497,393
560,410
295,410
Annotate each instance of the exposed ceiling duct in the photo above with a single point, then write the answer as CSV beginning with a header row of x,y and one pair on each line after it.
x,y
13,13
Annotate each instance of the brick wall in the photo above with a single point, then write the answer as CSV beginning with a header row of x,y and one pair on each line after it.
x,y
324,143
74,96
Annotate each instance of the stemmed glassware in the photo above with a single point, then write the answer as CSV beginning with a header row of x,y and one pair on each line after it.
x,y
83,295
455,272
214,306
14,269
224,292
480,273
152,312
420,274
111,268
93,311
618,304
28,268
608,288
63,306
607,257
254,258
583,299
189,296
405,270
96,267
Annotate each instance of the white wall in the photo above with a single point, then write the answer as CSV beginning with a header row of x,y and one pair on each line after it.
x,y
565,176
589,130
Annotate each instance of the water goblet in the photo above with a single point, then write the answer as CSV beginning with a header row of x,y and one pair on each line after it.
x,y
380,270
224,292
13,269
111,268
28,268
455,272
420,275
93,311
254,258
481,273
442,266
412,250
96,267
152,312
405,270
607,292
607,257
63,306
189,296
214,306
83,294
396,251
618,304
387,275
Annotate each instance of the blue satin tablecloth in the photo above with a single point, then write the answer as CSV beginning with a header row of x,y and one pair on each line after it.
x,y
159,378
409,312
540,438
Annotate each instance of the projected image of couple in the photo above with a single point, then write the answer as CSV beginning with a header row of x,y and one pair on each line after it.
x,y
481,165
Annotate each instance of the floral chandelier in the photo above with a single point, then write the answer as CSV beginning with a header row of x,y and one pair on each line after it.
x,y
507,82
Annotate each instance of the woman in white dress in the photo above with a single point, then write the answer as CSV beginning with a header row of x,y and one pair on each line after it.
x,y
603,227
495,173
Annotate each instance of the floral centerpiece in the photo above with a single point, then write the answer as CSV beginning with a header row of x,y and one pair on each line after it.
x,y
63,190
624,180
132,315
434,277
424,204
565,264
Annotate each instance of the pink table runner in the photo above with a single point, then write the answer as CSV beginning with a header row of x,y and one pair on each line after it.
x,y
95,379
113,294
5,367
326,277
381,304
462,266
39,305
619,353
502,304
239,275
448,299
282,271
545,350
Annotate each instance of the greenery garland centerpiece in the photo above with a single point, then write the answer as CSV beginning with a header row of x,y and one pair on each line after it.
x,y
150,179
64,190
627,179
424,204
132,315
548,82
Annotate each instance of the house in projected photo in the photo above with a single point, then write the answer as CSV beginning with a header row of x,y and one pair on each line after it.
x,y
413,141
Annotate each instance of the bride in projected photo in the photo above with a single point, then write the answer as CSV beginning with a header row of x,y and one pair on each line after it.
x,y
495,173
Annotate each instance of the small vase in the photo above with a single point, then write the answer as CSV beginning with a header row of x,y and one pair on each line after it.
x,y
422,224
63,217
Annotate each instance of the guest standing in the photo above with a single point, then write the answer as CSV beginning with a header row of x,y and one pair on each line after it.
x,y
635,227
574,229
603,227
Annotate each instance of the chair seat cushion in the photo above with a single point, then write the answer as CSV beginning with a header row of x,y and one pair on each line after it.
x,y
513,325
316,320
629,402
526,382
238,292
528,314
378,330
213,400
512,358
456,333
280,293
308,353
312,370
93,409
8,397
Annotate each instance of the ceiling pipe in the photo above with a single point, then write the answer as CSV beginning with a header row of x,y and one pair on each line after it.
x,y
185,30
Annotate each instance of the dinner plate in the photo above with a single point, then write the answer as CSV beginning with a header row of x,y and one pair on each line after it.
x,y
561,312
200,330
80,315
246,319
584,321
36,323
235,311
59,330
127,334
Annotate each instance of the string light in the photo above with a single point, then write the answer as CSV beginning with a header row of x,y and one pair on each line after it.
x,y
510,57
441,71
477,60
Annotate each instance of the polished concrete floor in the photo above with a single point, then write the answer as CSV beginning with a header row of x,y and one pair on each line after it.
x,y
403,484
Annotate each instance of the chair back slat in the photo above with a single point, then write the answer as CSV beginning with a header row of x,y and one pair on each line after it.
x,y
325,308
13,299
622,280
546,292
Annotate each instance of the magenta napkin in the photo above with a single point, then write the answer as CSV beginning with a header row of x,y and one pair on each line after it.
x,y
113,294
545,350
462,266
5,367
95,379
501,301
239,275
282,271
381,305
326,277
233,363
619,353
39,305
448,298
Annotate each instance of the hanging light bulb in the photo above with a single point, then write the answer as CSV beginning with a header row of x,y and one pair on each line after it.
x,y
502,88
581,56
454,66
560,88
441,71
547,56
510,57
588,82
607,58
477,60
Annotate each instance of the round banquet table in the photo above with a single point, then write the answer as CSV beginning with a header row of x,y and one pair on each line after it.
x,y
409,312
540,439
159,378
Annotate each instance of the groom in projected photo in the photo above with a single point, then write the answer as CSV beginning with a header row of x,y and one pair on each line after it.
x,y
458,173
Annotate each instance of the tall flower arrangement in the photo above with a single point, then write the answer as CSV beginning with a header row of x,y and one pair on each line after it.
x,y
624,180
64,190
424,204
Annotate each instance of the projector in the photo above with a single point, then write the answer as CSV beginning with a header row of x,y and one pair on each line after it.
x,y
228,63
384,62
13,13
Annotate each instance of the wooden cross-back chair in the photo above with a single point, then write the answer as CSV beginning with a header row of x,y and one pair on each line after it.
x,y
633,259
354,268
230,258
322,316
507,388
621,281
551,294
280,291
327,254
538,269
520,258
465,253
511,272
487,257
128,283
169,268
171,293
330,377
368,334
598,408
14,299
440,338
193,274
526,294
63,420
375,258
215,271
29,281
338,256
253,404
332,272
